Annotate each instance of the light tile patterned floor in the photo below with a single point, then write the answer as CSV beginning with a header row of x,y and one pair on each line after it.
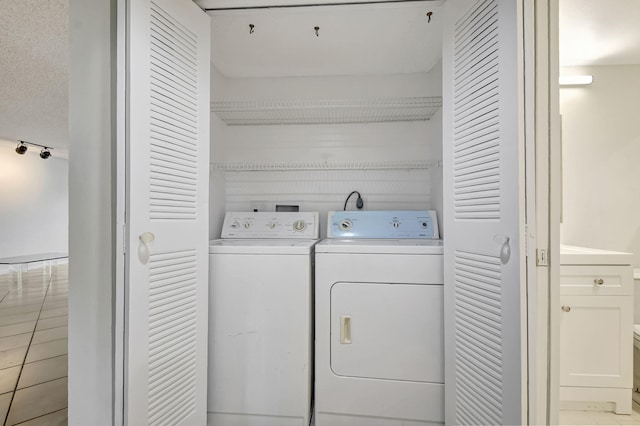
x,y
600,417
33,348
33,355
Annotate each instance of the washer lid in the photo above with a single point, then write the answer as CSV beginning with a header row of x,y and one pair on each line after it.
x,y
372,246
262,246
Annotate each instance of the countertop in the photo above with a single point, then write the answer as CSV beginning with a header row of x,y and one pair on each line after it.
x,y
572,255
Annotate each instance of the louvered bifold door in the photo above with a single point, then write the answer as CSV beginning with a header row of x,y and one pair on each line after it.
x,y
483,212
167,213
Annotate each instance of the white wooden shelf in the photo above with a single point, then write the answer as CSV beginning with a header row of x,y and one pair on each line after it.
x,y
326,111
327,165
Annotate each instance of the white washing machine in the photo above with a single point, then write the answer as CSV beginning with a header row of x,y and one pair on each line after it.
x,y
260,320
379,321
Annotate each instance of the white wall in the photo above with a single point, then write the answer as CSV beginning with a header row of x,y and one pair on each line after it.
x,y
324,190
34,198
91,212
601,159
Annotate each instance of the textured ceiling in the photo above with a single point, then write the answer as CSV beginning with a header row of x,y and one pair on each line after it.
x,y
34,58
34,51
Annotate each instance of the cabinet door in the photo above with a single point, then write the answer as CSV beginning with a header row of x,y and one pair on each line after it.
x,y
596,346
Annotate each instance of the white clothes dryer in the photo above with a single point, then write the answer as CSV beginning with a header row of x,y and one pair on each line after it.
x,y
260,320
379,321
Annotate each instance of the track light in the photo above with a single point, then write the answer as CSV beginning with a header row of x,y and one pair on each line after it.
x,y
24,145
21,148
45,153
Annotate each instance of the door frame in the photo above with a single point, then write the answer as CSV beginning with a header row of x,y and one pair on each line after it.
x,y
543,396
121,236
543,230
94,253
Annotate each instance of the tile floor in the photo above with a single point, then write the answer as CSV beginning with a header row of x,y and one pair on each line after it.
x,y
600,417
33,348
33,355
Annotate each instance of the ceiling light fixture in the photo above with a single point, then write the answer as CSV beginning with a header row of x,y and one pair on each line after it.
x,y
21,148
45,153
575,80
24,145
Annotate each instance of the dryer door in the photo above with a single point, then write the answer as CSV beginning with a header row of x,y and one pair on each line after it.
x,y
387,331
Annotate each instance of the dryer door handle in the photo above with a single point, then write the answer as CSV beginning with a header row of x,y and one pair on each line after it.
x,y
345,329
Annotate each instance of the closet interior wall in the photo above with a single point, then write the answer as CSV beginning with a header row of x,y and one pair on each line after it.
x,y
396,165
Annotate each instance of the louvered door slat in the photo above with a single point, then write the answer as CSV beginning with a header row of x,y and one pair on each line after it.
x,y
482,146
163,103
170,356
467,29
480,134
170,314
481,100
468,131
162,84
482,106
176,32
180,129
178,123
165,137
168,156
176,167
164,51
160,174
472,372
484,356
472,113
173,152
173,70
484,61
478,330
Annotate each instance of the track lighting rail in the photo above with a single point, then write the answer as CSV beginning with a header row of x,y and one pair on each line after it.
x,y
23,146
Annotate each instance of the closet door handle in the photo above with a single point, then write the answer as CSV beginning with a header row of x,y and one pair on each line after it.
x,y
145,239
566,308
598,281
345,329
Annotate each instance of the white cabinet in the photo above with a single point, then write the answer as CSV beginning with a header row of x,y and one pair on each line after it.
x,y
596,330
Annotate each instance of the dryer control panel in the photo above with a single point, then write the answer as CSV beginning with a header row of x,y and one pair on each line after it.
x,y
273,225
383,224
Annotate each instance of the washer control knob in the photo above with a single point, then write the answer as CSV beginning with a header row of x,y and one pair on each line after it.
x,y
247,225
299,225
396,224
235,225
271,225
345,225
424,225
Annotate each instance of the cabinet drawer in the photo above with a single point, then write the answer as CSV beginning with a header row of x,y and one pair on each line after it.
x,y
596,280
